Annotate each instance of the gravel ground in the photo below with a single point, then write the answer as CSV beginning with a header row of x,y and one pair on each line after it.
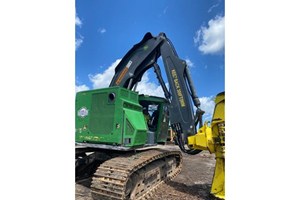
x,y
193,183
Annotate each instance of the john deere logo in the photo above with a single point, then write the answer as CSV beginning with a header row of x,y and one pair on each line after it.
x,y
82,112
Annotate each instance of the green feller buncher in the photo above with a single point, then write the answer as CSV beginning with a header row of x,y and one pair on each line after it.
x,y
120,133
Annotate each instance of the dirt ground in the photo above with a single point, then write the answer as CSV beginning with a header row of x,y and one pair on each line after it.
x,y
193,183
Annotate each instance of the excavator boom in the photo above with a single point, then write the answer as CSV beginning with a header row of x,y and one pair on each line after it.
x,y
181,93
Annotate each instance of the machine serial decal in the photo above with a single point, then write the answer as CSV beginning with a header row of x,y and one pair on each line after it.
x,y
177,86
82,112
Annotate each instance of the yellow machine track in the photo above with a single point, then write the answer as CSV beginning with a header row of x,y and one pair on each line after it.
x,y
135,176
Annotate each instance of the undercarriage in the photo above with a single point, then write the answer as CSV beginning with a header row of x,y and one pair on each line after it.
x,y
126,175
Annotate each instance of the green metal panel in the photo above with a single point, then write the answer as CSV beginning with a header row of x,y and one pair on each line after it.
x,y
110,116
137,122
101,114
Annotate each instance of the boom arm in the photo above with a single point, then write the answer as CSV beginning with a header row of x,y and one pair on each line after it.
x,y
143,56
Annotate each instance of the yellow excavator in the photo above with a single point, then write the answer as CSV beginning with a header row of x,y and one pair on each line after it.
x,y
119,147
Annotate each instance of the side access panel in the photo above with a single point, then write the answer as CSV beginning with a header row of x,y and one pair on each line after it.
x,y
110,116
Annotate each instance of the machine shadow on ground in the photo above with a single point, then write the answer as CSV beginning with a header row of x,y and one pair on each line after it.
x,y
198,190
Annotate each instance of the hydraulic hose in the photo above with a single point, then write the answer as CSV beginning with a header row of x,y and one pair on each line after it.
x,y
180,142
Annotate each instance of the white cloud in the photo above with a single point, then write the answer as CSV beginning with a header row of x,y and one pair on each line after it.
x,y
78,42
149,88
145,86
103,80
211,8
197,37
78,22
207,105
102,30
211,39
79,88
189,62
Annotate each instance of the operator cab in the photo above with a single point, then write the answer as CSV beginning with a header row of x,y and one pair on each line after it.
x,y
156,117
151,114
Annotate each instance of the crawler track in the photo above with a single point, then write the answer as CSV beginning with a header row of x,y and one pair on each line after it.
x,y
135,176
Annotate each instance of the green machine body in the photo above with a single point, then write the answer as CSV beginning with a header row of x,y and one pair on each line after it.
x,y
115,117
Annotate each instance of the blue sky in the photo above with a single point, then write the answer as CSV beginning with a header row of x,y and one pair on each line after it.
x,y
107,29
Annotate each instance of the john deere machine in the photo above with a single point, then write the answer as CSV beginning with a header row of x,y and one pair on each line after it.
x,y
120,133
